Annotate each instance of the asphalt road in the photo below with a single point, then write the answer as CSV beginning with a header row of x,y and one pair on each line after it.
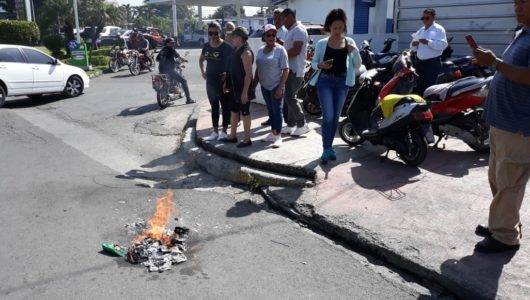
x,y
74,172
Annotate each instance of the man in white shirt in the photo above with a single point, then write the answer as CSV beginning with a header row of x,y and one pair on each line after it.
x,y
278,22
429,42
296,46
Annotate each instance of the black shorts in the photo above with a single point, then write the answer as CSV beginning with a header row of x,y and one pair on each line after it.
x,y
237,107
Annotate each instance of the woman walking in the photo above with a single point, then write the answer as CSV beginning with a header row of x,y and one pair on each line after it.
x,y
272,70
216,53
335,60
240,74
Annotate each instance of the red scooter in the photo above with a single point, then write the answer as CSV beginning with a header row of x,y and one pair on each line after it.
x,y
456,106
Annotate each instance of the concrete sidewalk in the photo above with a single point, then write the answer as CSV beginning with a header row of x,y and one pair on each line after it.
x,y
419,219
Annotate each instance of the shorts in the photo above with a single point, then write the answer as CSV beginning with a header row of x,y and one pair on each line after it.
x,y
237,107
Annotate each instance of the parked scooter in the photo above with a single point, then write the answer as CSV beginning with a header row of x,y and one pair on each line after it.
x,y
458,111
168,91
379,60
399,121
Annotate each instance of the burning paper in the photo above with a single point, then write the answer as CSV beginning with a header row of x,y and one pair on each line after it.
x,y
156,247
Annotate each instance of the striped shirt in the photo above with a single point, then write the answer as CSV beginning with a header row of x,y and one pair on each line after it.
x,y
508,103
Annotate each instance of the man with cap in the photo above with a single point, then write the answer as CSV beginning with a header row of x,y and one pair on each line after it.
x,y
278,23
167,62
296,46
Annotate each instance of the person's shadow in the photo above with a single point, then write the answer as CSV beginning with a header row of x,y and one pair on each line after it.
x,y
477,274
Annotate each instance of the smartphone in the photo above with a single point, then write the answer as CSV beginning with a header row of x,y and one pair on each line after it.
x,y
471,42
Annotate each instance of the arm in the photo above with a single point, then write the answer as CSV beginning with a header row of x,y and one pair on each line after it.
x,y
281,87
247,64
201,66
354,52
296,49
316,57
440,42
518,74
414,43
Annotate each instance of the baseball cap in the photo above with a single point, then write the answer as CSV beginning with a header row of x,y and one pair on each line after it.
x,y
269,27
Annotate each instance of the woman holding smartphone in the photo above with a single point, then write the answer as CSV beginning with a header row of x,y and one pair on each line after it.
x,y
336,59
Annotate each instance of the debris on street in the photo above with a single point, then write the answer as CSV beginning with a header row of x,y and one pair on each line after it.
x,y
114,249
156,247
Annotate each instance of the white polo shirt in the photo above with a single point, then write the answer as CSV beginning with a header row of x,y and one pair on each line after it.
x,y
297,33
437,41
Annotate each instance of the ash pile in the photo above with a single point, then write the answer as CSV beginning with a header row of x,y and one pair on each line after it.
x,y
159,255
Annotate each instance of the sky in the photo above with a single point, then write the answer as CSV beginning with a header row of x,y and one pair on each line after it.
x,y
206,10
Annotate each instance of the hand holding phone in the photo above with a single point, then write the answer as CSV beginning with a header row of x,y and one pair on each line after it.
x,y
329,62
471,42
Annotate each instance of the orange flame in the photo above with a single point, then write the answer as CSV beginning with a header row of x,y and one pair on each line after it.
x,y
156,225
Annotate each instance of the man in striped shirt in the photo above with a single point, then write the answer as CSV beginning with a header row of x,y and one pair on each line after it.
x,y
508,113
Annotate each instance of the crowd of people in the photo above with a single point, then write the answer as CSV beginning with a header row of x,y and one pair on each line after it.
x,y
226,64
280,66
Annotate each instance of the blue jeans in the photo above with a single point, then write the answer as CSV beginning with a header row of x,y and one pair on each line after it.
x,y
332,91
274,107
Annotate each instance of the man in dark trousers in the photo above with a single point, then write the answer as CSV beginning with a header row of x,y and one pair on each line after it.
x,y
507,111
167,58
429,43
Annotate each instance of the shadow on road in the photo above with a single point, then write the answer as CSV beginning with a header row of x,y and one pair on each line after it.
x,y
139,110
243,208
482,270
29,102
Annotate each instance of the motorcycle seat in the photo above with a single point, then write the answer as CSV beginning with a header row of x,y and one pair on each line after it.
x,y
446,90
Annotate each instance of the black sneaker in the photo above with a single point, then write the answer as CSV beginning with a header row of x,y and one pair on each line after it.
x,y
244,144
491,245
266,123
482,231
190,101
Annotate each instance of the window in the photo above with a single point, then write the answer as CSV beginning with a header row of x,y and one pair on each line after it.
x,y
35,57
11,55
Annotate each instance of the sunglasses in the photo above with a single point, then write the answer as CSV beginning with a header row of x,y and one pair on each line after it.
x,y
270,35
425,18
212,33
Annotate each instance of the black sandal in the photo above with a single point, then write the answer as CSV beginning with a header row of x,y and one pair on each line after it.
x,y
244,144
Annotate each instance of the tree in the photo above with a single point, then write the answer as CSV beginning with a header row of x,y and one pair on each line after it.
x,y
226,11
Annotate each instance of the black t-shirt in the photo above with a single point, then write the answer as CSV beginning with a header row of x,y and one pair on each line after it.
x,y
217,60
339,57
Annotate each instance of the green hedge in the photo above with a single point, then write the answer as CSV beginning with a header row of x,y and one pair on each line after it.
x,y
54,43
103,51
99,60
19,32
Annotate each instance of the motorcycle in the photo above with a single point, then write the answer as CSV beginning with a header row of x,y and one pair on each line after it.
x,y
379,60
400,122
458,111
167,91
119,57
140,62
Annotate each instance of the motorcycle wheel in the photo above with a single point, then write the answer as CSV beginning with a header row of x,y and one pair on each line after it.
x,y
162,99
416,149
482,135
350,135
113,66
134,67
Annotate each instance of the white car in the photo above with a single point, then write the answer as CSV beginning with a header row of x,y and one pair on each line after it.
x,y
28,71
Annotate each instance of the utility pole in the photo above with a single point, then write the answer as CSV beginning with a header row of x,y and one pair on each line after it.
x,y
238,11
27,4
76,16
175,23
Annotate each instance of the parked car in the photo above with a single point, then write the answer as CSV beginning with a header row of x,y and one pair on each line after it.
x,y
197,37
28,71
110,31
126,34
